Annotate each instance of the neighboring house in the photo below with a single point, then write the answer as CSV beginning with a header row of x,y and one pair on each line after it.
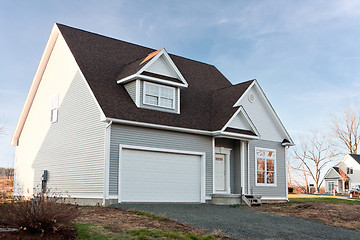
x,y
112,121
344,175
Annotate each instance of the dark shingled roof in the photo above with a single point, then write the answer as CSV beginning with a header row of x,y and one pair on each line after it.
x,y
336,169
241,131
356,157
207,103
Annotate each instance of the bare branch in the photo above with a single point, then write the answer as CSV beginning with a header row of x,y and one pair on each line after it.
x,y
346,128
313,155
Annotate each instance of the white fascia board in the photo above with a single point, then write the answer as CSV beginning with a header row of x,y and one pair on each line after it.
x,y
247,118
172,64
237,104
35,84
152,79
272,110
127,79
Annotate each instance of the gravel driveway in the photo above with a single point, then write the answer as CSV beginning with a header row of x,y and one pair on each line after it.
x,y
244,223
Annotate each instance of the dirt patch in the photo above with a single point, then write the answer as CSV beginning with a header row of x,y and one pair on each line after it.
x,y
113,219
338,215
117,220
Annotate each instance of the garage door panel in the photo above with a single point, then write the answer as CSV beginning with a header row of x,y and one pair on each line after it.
x,y
160,177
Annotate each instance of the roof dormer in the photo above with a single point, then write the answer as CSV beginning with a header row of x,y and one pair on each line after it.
x,y
154,82
155,67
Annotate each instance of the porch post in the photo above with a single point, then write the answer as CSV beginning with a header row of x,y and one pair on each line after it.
x,y
242,171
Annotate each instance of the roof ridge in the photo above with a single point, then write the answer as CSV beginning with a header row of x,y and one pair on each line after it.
x,y
138,45
233,85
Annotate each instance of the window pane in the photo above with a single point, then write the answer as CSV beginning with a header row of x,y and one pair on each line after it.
x,y
270,165
151,100
270,177
260,153
261,164
152,90
270,154
260,177
166,102
167,93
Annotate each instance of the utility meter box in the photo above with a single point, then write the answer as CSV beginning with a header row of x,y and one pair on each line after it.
x,y
44,175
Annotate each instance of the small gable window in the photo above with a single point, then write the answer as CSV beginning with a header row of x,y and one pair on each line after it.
x,y
54,108
349,170
158,95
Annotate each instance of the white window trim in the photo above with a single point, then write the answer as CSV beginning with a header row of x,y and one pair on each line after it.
x,y
160,86
275,171
202,159
54,107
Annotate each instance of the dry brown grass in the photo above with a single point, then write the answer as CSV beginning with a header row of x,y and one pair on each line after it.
x,y
6,189
335,214
118,220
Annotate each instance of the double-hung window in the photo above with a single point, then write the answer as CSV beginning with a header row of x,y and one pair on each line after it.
x,y
349,170
158,95
265,166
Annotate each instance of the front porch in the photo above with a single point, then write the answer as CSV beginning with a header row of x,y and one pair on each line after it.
x,y
231,181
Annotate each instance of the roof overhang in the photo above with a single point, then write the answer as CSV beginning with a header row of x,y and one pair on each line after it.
x,y
187,130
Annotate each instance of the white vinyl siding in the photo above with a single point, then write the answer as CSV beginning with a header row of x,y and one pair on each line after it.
x,y
131,89
261,117
158,95
72,150
161,67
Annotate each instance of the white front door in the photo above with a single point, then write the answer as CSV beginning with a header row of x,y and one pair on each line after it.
x,y
220,173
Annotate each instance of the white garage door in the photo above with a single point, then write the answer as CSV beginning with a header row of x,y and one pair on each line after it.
x,y
154,176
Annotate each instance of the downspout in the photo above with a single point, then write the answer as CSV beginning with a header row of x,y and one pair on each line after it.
x,y
107,162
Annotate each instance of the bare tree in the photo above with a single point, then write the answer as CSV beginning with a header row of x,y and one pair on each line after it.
x,y
9,173
312,156
346,128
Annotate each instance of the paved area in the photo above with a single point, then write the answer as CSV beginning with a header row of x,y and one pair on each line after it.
x,y
244,223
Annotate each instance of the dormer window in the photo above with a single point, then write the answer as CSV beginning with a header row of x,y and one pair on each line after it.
x,y
159,95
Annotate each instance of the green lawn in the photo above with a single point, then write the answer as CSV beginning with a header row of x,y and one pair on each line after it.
x,y
97,232
300,198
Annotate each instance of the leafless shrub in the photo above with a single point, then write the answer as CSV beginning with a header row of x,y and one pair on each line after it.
x,y
44,213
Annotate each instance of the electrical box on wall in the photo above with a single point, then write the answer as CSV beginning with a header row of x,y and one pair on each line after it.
x,y
44,175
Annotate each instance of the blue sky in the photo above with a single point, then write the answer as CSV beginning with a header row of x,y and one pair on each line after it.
x,y
305,54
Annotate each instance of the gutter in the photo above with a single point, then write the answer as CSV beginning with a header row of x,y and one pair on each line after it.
x,y
186,130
